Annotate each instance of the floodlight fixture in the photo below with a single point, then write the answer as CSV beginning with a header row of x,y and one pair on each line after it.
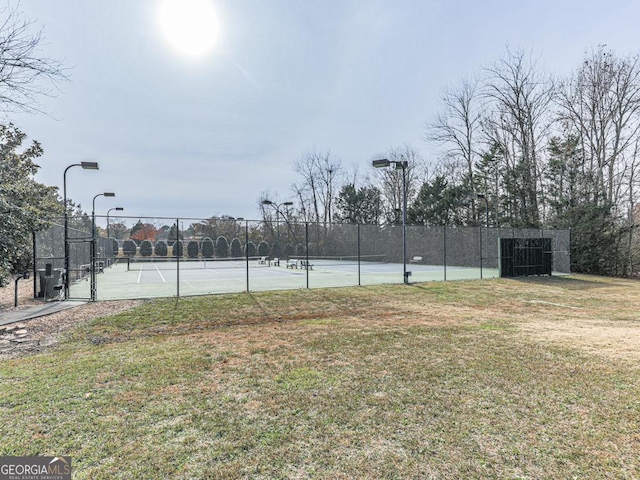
x,y
382,163
89,165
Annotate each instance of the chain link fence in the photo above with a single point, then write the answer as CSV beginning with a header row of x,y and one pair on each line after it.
x,y
169,257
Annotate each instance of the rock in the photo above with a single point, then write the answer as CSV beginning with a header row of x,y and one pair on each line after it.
x,y
20,332
20,325
10,328
20,340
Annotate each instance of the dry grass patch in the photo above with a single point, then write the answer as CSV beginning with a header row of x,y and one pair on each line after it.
x,y
455,380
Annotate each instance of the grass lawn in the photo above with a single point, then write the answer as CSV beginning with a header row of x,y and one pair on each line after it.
x,y
480,379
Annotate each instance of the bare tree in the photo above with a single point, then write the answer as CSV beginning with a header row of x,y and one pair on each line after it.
x,y
519,98
389,180
315,192
601,101
25,75
458,128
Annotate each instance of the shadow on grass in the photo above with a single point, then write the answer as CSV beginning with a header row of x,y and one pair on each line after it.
x,y
581,282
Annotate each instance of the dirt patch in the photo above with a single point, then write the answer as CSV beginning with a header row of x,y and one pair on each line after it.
x,y
610,339
44,332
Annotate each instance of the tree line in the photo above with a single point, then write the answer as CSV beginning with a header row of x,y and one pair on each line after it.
x,y
513,147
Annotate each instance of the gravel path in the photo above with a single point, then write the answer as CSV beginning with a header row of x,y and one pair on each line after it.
x,y
43,332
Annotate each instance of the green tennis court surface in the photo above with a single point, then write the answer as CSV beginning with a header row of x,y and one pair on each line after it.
x,y
148,278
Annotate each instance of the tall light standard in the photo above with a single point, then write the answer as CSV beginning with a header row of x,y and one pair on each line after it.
x,y
482,196
86,166
93,243
400,165
117,209
277,206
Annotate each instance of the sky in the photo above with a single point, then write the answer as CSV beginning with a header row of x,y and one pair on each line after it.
x,y
185,135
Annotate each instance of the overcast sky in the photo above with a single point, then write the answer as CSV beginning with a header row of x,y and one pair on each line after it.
x,y
197,136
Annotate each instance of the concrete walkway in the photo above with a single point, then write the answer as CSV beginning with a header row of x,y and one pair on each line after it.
x,y
38,311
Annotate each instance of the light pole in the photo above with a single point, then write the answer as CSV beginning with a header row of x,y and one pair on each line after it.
x,y
117,209
86,166
93,243
482,196
277,206
400,165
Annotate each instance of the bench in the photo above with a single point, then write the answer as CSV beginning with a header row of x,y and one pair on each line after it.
x,y
262,261
275,262
305,264
292,263
415,259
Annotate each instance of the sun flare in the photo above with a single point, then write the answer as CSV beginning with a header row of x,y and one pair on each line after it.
x,y
190,27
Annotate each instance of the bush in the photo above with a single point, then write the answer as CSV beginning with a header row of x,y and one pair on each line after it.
x,y
222,247
129,248
236,248
207,248
250,249
300,250
146,249
263,249
161,249
115,247
193,249
178,249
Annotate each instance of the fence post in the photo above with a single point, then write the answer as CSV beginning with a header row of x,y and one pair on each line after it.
x,y
177,258
246,249
444,257
306,234
35,271
359,255
481,253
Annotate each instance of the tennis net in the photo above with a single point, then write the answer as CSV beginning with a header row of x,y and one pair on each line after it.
x,y
172,263
345,259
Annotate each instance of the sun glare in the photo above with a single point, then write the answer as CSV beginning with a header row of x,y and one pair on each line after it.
x,y
190,27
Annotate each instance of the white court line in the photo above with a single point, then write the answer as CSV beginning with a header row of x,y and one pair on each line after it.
x,y
157,269
159,273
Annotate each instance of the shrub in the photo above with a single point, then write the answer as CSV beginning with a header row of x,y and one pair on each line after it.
x,y
146,249
193,249
263,249
129,248
207,248
116,247
250,249
161,249
300,250
236,248
222,247
178,249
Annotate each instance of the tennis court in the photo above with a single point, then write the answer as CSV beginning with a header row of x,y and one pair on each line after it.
x,y
147,278
162,266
